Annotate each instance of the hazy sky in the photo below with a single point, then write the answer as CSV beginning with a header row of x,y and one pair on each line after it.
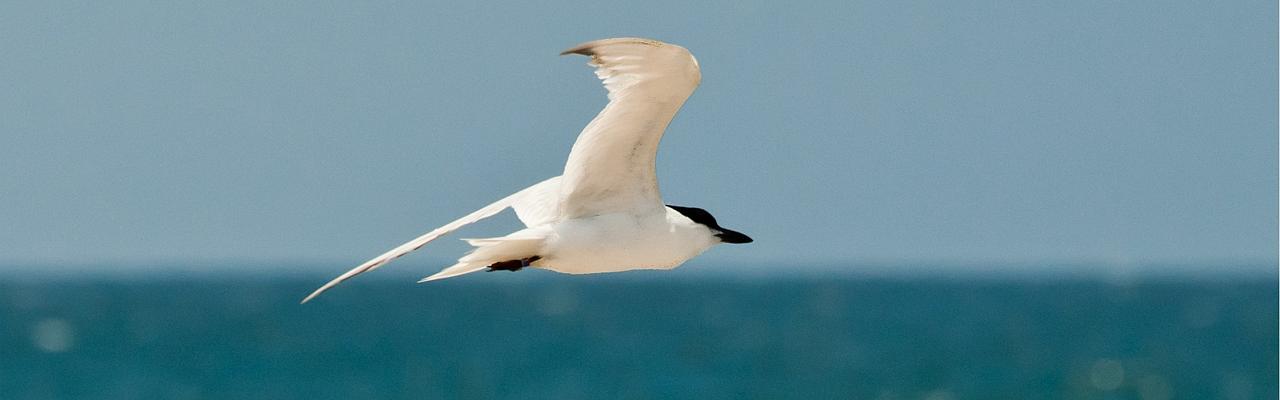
x,y
841,130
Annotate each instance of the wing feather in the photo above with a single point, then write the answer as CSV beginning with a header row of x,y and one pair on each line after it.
x,y
612,165
527,202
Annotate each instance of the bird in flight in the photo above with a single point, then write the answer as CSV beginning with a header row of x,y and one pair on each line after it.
x,y
604,213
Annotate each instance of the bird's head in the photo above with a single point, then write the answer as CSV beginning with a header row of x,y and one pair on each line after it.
x,y
704,218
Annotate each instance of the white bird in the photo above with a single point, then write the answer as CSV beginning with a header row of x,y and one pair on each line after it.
x,y
604,214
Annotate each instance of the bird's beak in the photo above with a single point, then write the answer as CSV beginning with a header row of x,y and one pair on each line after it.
x,y
732,237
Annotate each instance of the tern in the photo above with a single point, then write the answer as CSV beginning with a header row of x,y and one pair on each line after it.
x,y
604,213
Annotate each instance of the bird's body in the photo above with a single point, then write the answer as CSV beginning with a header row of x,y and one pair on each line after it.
x,y
605,213
621,241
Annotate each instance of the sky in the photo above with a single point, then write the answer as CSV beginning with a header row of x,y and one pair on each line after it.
x,y
835,131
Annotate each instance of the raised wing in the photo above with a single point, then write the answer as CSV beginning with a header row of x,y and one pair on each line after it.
x,y
534,205
612,165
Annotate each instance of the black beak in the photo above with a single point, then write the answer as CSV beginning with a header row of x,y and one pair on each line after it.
x,y
728,236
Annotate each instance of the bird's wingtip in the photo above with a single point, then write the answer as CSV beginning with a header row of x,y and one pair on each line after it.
x,y
589,48
322,289
578,50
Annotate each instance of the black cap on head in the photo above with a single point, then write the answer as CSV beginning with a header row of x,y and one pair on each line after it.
x,y
703,217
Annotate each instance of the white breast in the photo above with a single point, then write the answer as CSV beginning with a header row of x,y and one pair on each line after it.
x,y
622,242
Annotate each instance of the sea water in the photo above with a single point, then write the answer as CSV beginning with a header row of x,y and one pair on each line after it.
x,y
610,337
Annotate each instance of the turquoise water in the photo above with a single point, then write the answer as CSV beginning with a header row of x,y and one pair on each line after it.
x,y
553,337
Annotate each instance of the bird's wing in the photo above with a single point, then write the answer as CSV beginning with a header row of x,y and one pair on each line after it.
x,y
529,204
538,204
611,166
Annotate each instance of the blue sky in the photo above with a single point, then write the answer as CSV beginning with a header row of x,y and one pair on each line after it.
x,y
829,131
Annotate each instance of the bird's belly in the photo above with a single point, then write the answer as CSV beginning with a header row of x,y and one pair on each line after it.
x,y
613,244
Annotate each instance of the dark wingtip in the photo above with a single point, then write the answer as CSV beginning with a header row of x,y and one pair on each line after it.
x,y
588,48
586,51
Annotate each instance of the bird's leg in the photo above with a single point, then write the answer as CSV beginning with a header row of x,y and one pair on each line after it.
x,y
513,265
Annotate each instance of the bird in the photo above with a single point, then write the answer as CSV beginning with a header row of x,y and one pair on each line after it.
x,y
604,213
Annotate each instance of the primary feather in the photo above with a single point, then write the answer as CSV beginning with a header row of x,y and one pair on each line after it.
x,y
532,206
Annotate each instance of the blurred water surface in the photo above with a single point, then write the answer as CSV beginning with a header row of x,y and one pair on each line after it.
x,y
603,337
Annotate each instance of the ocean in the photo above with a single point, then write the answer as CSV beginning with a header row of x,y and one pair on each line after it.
x,y
649,336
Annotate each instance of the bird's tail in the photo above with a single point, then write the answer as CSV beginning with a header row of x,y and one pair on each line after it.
x,y
521,245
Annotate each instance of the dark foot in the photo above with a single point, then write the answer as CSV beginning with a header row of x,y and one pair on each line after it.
x,y
513,265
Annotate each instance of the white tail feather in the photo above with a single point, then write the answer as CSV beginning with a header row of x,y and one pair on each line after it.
x,y
455,270
520,245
